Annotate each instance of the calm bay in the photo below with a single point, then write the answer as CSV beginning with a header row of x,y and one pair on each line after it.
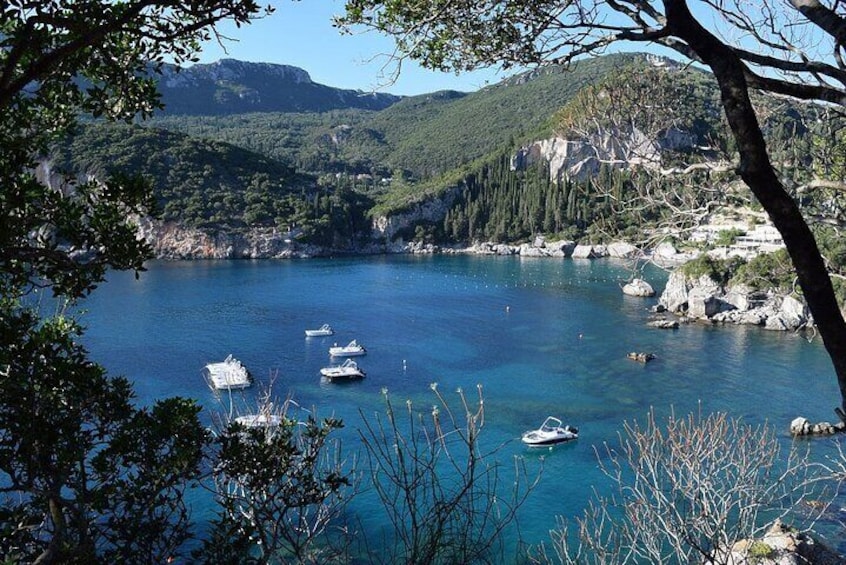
x,y
542,337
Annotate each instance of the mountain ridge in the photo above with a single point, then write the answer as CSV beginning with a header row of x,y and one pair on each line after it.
x,y
230,86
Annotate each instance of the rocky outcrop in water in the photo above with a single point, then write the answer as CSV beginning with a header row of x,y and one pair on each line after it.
x,y
705,299
781,545
539,248
802,427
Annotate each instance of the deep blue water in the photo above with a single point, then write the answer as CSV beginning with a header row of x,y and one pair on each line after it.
x,y
543,337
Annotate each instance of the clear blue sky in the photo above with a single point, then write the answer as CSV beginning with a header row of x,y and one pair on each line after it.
x,y
301,34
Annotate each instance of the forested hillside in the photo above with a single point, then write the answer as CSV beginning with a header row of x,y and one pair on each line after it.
x,y
214,185
329,172
424,136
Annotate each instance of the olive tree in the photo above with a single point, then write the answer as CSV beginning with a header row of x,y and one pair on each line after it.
x,y
86,475
60,59
792,48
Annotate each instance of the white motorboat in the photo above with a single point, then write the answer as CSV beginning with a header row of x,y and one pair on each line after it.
x,y
259,420
350,350
349,370
551,432
228,374
323,330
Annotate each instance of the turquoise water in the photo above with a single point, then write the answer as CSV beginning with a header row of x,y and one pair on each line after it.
x,y
542,336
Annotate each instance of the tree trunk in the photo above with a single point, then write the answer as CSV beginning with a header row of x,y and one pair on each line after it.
x,y
758,173
51,553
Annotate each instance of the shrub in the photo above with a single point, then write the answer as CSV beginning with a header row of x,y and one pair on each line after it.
x,y
718,270
685,493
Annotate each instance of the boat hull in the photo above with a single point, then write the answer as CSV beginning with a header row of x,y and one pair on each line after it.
x,y
228,375
347,353
548,442
343,376
322,331
551,432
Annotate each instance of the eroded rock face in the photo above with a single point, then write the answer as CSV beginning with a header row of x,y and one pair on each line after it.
x,y
638,287
589,251
704,299
674,297
432,210
781,545
581,157
622,250
170,241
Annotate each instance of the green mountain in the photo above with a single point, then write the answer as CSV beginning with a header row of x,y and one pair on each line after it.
x,y
424,136
198,182
329,172
215,186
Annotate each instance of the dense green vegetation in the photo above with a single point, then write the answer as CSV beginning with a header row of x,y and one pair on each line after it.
x,y
325,174
198,182
426,135
302,140
213,185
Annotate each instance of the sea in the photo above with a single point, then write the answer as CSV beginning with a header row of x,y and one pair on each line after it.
x,y
540,336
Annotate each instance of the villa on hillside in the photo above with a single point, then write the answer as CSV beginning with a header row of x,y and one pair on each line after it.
x,y
764,238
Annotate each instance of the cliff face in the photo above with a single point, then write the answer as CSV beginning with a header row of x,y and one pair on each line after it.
x,y
580,157
704,299
171,241
385,228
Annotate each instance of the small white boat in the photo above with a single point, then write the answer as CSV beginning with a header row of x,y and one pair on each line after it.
x,y
349,370
259,420
551,432
350,350
323,330
228,374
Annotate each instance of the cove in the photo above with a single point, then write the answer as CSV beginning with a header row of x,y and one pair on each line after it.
x,y
542,336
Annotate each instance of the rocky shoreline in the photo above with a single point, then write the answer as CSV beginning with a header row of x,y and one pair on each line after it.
x,y
171,241
705,300
701,299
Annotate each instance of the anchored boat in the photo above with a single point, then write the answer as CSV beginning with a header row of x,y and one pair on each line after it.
x,y
551,432
228,374
349,370
350,350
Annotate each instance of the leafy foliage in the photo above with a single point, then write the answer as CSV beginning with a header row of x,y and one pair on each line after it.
x,y
88,476
59,58
767,271
718,270
279,487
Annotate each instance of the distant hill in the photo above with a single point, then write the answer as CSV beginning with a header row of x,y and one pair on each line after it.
x,y
197,182
235,87
425,135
